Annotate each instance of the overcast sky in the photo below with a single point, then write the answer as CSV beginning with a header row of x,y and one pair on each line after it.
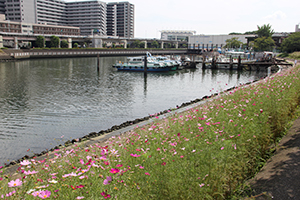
x,y
213,16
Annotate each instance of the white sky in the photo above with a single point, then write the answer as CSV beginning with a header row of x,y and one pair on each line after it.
x,y
213,16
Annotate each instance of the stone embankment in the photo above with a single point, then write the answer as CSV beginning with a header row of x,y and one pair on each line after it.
x,y
21,54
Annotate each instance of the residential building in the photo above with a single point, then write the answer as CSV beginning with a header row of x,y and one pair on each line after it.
x,y
91,16
120,19
176,35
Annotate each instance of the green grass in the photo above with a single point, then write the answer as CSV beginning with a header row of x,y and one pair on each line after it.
x,y
207,152
294,55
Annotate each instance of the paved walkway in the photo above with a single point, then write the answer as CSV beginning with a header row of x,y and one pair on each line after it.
x,y
279,179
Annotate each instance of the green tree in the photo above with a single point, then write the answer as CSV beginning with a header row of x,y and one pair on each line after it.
x,y
154,44
265,31
54,41
135,44
292,43
40,41
75,45
64,44
233,43
142,45
264,44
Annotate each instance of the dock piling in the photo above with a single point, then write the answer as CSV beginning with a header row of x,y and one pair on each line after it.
x,y
98,63
145,65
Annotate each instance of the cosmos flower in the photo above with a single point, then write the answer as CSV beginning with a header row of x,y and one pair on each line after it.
x,y
25,162
44,194
15,183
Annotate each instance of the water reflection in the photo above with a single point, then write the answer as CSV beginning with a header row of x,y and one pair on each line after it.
x,y
48,101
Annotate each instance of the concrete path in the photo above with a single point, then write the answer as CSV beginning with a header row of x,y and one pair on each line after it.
x,y
279,179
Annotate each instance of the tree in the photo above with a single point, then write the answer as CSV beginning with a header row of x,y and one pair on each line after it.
x,y
233,43
234,33
142,45
40,41
154,44
64,44
135,44
264,44
292,43
75,45
54,41
264,31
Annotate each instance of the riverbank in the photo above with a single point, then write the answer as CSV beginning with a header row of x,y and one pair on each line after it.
x,y
202,151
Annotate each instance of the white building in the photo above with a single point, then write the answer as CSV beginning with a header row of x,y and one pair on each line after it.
x,y
213,41
176,35
297,28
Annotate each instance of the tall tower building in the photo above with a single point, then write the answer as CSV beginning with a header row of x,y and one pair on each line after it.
x,y
120,19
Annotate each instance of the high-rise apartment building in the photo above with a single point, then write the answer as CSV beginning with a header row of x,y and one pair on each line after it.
x,y
120,19
91,16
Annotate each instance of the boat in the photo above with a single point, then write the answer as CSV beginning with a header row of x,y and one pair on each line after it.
x,y
137,64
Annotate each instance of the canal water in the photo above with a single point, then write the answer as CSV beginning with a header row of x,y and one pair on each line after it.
x,y
45,102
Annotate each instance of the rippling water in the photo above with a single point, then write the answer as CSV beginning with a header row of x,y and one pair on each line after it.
x,y
45,102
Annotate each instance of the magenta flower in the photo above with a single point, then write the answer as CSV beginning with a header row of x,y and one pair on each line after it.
x,y
79,197
119,165
261,110
44,194
147,173
114,170
105,195
135,155
15,183
222,148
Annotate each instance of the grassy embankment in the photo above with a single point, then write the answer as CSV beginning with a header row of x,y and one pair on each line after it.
x,y
204,153
294,56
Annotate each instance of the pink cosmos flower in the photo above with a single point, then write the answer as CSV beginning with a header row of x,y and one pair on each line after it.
x,y
10,194
45,194
119,165
222,148
79,197
114,170
25,162
29,172
147,173
15,183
